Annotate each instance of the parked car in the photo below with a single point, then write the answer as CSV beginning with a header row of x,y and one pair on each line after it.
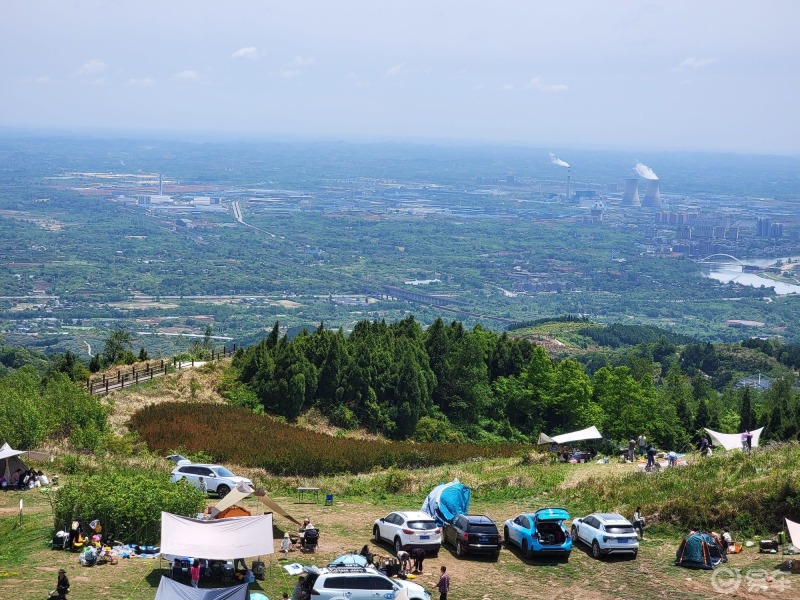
x,y
606,533
541,533
409,530
217,478
357,583
472,534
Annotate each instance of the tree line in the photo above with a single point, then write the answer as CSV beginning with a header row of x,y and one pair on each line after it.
x,y
451,383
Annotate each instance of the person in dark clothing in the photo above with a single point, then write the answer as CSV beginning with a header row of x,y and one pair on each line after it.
x,y
703,446
418,554
443,585
651,456
62,585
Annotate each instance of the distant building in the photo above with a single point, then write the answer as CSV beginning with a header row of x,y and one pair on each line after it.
x,y
763,227
776,230
757,381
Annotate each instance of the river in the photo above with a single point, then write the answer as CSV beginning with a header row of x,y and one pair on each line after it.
x,y
733,272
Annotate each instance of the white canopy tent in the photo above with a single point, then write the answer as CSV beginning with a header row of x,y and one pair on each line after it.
x,y
11,460
172,590
242,491
794,532
216,539
731,441
590,433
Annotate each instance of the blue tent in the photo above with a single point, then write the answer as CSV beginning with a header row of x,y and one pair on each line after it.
x,y
446,501
698,551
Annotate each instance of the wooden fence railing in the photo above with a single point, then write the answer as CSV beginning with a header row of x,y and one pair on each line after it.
x,y
140,372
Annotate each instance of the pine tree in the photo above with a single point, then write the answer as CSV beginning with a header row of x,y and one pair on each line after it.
x,y
747,415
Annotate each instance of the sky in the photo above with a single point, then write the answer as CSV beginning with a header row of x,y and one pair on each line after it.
x,y
719,75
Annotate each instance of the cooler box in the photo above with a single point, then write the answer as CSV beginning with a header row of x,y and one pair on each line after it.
x,y
768,546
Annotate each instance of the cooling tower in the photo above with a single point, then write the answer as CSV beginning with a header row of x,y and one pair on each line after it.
x,y
652,197
631,197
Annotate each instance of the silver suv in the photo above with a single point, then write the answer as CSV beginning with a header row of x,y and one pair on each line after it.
x,y
217,478
358,583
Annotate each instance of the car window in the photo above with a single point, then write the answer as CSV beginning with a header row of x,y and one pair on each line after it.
x,y
619,529
394,519
337,583
205,471
191,470
525,522
376,583
483,528
223,472
518,520
421,525
592,522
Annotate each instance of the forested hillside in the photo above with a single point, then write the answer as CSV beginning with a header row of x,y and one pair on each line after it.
x,y
450,383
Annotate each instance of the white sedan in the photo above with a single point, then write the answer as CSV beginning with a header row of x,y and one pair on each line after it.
x,y
606,533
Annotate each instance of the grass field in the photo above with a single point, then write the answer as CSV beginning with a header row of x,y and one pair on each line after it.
x,y
501,489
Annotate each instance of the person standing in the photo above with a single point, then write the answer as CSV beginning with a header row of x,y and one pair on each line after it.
x,y
203,485
443,585
727,540
631,449
642,445
749,440
194,571
418,554
286,544
62,585
651,456
638,521
299,588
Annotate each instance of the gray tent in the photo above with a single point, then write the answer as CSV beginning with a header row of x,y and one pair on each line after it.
x,y
10,461
172,590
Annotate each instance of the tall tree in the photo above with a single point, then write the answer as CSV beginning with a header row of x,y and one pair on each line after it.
x,y
747,414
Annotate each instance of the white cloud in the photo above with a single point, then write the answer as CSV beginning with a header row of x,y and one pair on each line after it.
x,y
398,69
98,81
509,87
696,63
289,73
141,82
540,86
189,75
300,61
248,52
93,67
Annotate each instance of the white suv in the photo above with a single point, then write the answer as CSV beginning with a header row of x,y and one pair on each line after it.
x,y
408,530
358,583
217,478
606,533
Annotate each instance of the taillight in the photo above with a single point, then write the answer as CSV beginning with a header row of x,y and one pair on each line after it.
x,y
465,536
438,530
408,531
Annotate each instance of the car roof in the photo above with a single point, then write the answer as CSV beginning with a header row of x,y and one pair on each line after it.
x,y
413,515
478,519
611,517
210,466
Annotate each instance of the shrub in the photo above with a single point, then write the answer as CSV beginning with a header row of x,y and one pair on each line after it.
x,y
227,433
127,501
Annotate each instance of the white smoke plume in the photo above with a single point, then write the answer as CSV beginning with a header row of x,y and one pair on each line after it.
x,y
557,161
645,172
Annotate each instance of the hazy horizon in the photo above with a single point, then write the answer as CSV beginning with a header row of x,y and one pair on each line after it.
x,y
616,75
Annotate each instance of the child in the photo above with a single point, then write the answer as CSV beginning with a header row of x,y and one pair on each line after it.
x,y
286,544
195,572
203,486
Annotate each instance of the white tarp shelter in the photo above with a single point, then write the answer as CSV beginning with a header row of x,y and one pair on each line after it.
x,y
731,441
172,590
794,532
216,539
590,433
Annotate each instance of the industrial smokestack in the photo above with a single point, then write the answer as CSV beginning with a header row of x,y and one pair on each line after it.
x,y
652,197
631,197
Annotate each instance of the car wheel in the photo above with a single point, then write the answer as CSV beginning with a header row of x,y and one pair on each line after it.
x,y
574,533
376,533
596,550
496,555
527,553
223,490
459,550
635,553
397,544
506,537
